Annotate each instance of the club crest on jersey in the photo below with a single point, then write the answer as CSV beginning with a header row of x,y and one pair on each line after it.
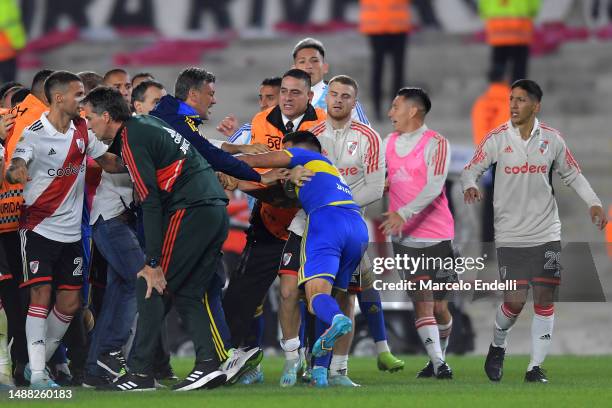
x,y
543,146
34,267
287,258
352,147
81,145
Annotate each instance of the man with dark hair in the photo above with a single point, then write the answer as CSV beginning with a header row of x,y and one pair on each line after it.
x,y
268,232
355,149
419,218
146,95
141,77
309,55
523,153
19,96
4,89
269,90
11,203
335,234
119,79
53,152
181,256
189,108
90,80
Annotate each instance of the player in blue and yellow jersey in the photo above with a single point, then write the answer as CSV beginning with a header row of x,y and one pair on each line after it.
x,y
335,237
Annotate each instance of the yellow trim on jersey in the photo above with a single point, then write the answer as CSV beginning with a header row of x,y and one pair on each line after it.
x,y
342,202
320,166
217,339
288,153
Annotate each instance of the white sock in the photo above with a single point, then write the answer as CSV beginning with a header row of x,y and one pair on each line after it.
x,y
5,366
291,348
445,331
381,346
36,330
504,320
541,334
428,331
302,352
338,365
57,324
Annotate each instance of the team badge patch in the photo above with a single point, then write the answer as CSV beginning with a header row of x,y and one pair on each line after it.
x,y
543,146
352,147
34,267
81,145
287,258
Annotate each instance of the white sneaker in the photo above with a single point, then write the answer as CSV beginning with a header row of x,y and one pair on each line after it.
x,y
239,361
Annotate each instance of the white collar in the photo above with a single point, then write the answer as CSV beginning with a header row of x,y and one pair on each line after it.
x,y
296,121
415,133
534,131
51,129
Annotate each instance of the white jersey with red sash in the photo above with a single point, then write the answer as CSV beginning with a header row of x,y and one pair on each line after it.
x,y
56,166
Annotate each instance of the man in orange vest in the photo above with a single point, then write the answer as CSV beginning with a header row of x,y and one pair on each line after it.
x,y
509,31
387,25
268,232
11,200
488,112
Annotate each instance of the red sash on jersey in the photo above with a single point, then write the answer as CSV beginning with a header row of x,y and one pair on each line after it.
x,y
53,196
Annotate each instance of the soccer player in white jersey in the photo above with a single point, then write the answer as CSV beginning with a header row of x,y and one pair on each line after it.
x,y
49,160
309,56
524,152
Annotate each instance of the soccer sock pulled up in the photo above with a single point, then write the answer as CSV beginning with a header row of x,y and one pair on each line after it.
x,y
36,334
428,332
371,306
338,365
325,307
57,324
504,320
541,334
445,332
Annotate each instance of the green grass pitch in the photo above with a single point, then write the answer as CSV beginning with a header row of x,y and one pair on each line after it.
x,y
574,382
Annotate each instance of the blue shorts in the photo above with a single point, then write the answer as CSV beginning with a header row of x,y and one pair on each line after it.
x,y
333,244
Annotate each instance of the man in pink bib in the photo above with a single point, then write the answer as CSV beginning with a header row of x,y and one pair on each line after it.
x,y
419,218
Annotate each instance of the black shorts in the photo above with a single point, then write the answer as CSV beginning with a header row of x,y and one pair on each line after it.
x,y
535,265
51,262
431,267
290,261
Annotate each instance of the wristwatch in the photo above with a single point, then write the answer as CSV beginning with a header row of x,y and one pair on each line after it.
x,y
152,262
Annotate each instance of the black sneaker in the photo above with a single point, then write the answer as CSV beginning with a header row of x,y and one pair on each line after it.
x,y
204,375
78,376
165,373
113,362
427,371
130,382
494,364
536,374
444,372
94,381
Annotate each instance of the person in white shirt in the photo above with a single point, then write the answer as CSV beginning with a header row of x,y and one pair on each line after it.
x,y
523,153
50,161
309,55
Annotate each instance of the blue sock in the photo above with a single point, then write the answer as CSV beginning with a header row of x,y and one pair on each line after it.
x,y
303,317
60,356
371,307
320,328
325,307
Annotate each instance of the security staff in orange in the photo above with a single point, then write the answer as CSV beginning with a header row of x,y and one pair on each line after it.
x,y
268,232
387,25
509,31
11,200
